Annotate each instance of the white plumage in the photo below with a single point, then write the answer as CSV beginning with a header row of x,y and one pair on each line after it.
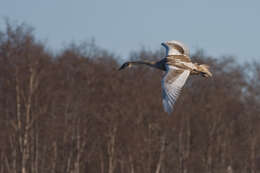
x,y
172,84
175,48
175,77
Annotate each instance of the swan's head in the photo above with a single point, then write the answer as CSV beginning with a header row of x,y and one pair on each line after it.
x,y
125,65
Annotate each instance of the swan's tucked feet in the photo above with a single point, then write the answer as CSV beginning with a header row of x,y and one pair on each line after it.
x,y
205,74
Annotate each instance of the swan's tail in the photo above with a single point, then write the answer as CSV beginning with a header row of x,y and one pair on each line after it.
x,y
204,69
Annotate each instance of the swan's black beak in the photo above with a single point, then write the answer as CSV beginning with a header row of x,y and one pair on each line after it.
x,y
127,64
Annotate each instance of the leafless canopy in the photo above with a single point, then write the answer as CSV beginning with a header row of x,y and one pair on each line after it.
x,y
74,112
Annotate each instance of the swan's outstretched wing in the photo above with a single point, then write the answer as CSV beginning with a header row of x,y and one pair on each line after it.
x,y
172,82
175,48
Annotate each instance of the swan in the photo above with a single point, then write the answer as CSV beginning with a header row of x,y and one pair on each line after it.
x,y
177,66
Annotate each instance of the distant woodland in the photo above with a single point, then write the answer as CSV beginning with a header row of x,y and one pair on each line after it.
x,y
74,112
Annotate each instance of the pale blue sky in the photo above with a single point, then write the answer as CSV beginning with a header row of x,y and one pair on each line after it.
x,y
221,27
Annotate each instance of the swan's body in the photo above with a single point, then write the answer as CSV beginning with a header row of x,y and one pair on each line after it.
x,y
178,67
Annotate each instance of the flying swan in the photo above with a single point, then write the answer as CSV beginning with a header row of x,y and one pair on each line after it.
x,y
177,66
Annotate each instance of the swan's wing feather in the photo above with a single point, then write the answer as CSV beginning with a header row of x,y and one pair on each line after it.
x,y
172,83
175,48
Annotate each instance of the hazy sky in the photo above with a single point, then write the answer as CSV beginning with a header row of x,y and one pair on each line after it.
x,y
222,27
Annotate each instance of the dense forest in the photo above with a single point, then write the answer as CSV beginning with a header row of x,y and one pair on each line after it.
x,y
74,112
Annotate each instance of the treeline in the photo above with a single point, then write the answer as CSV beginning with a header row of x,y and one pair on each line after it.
x,y
73,112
